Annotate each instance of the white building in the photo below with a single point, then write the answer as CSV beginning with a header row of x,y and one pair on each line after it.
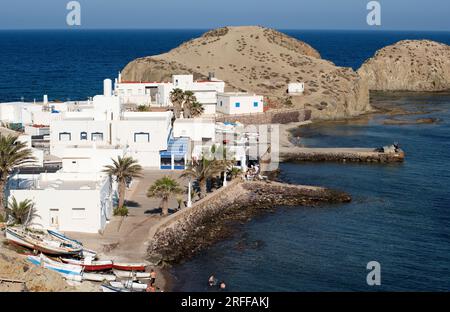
x,y
296,87
158,93
196,129
239,103
66,201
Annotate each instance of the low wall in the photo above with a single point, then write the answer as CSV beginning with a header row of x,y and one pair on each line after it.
x,y
186,232
269,117
341,155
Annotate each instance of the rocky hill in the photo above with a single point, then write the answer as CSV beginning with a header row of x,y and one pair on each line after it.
x,y
409,65
263,61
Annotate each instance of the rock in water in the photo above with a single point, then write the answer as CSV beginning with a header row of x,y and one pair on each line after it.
x,y
263,61
409,65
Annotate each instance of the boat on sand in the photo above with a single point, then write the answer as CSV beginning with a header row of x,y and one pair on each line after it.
x,y
40,242
130,274
69,241
100,265
129,266
62,268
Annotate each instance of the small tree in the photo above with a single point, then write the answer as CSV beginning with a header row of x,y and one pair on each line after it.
x,y
123,170
21,212
164,188
13,153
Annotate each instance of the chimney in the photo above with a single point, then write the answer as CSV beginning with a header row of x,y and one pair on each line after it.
x,y
45,99
211,76
107,87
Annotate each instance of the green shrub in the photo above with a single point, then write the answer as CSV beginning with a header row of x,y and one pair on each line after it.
x,y
122,212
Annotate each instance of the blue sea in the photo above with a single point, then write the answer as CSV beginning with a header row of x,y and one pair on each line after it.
x,y
400,213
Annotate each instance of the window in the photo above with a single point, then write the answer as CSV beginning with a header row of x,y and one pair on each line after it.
x,y
78,213
237,104
65,136
255,104
142,137
97,136
83,136
221,104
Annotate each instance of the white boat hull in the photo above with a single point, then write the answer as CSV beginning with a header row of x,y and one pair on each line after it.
x,y
98,277
129,274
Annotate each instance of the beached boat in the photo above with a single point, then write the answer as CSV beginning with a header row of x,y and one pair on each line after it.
x,y
40,242
69,241
95,277
129,285
130,274
109,288
129,266
90,266
62,268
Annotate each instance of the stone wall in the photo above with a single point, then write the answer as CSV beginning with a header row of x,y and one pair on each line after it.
x,y
186,232
269,117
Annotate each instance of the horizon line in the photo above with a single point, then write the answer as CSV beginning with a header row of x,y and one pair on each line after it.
x,y
203,29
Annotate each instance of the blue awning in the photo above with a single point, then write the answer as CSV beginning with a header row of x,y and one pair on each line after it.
x,y
177,147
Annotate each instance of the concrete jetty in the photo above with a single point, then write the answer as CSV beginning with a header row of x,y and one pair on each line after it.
x,y
341,155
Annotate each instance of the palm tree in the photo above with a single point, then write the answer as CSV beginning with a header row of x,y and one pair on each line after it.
x,y
177,99
196,109
164,188
188,100
13,153
123,169
202,170
22,212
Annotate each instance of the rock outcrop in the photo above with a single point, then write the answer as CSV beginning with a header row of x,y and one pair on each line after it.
x,y
263,61
409,65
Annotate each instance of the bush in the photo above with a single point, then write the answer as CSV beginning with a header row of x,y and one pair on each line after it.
x,y
122,212
2,218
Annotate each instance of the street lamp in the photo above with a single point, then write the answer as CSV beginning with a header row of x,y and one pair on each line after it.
x,y
189,201
225,183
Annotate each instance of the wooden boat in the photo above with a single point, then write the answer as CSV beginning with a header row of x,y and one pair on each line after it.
x,y
129,285
69,241
109,288
64,269
91,265
95,277
40,242
130,274
129,266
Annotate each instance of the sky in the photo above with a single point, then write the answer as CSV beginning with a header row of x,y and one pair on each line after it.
x,y
205,14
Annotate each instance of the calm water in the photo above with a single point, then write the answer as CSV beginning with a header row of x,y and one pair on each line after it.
x,y
399,215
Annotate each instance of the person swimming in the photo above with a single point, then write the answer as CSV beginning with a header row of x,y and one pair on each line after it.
x,y
212,281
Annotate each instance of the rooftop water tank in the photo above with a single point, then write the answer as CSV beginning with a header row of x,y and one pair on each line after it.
x,y
107,87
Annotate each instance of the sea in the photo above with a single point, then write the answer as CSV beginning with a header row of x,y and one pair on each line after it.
x,y
400,214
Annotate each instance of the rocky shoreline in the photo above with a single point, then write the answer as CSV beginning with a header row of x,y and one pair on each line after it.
x,y
212,218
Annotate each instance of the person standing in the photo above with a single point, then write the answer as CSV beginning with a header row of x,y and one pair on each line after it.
x,y
152,277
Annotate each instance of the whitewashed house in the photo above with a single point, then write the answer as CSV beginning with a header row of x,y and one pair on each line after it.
x,y
158,93
296,88
239,103
77,202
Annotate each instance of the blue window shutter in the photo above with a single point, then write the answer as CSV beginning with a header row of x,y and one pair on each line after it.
x,y
255,104
237,104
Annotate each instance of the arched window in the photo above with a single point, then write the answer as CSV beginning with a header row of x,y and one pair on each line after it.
x,y
83,136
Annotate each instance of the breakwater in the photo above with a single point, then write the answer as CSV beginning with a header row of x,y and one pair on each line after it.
x,y
188,231
341,155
